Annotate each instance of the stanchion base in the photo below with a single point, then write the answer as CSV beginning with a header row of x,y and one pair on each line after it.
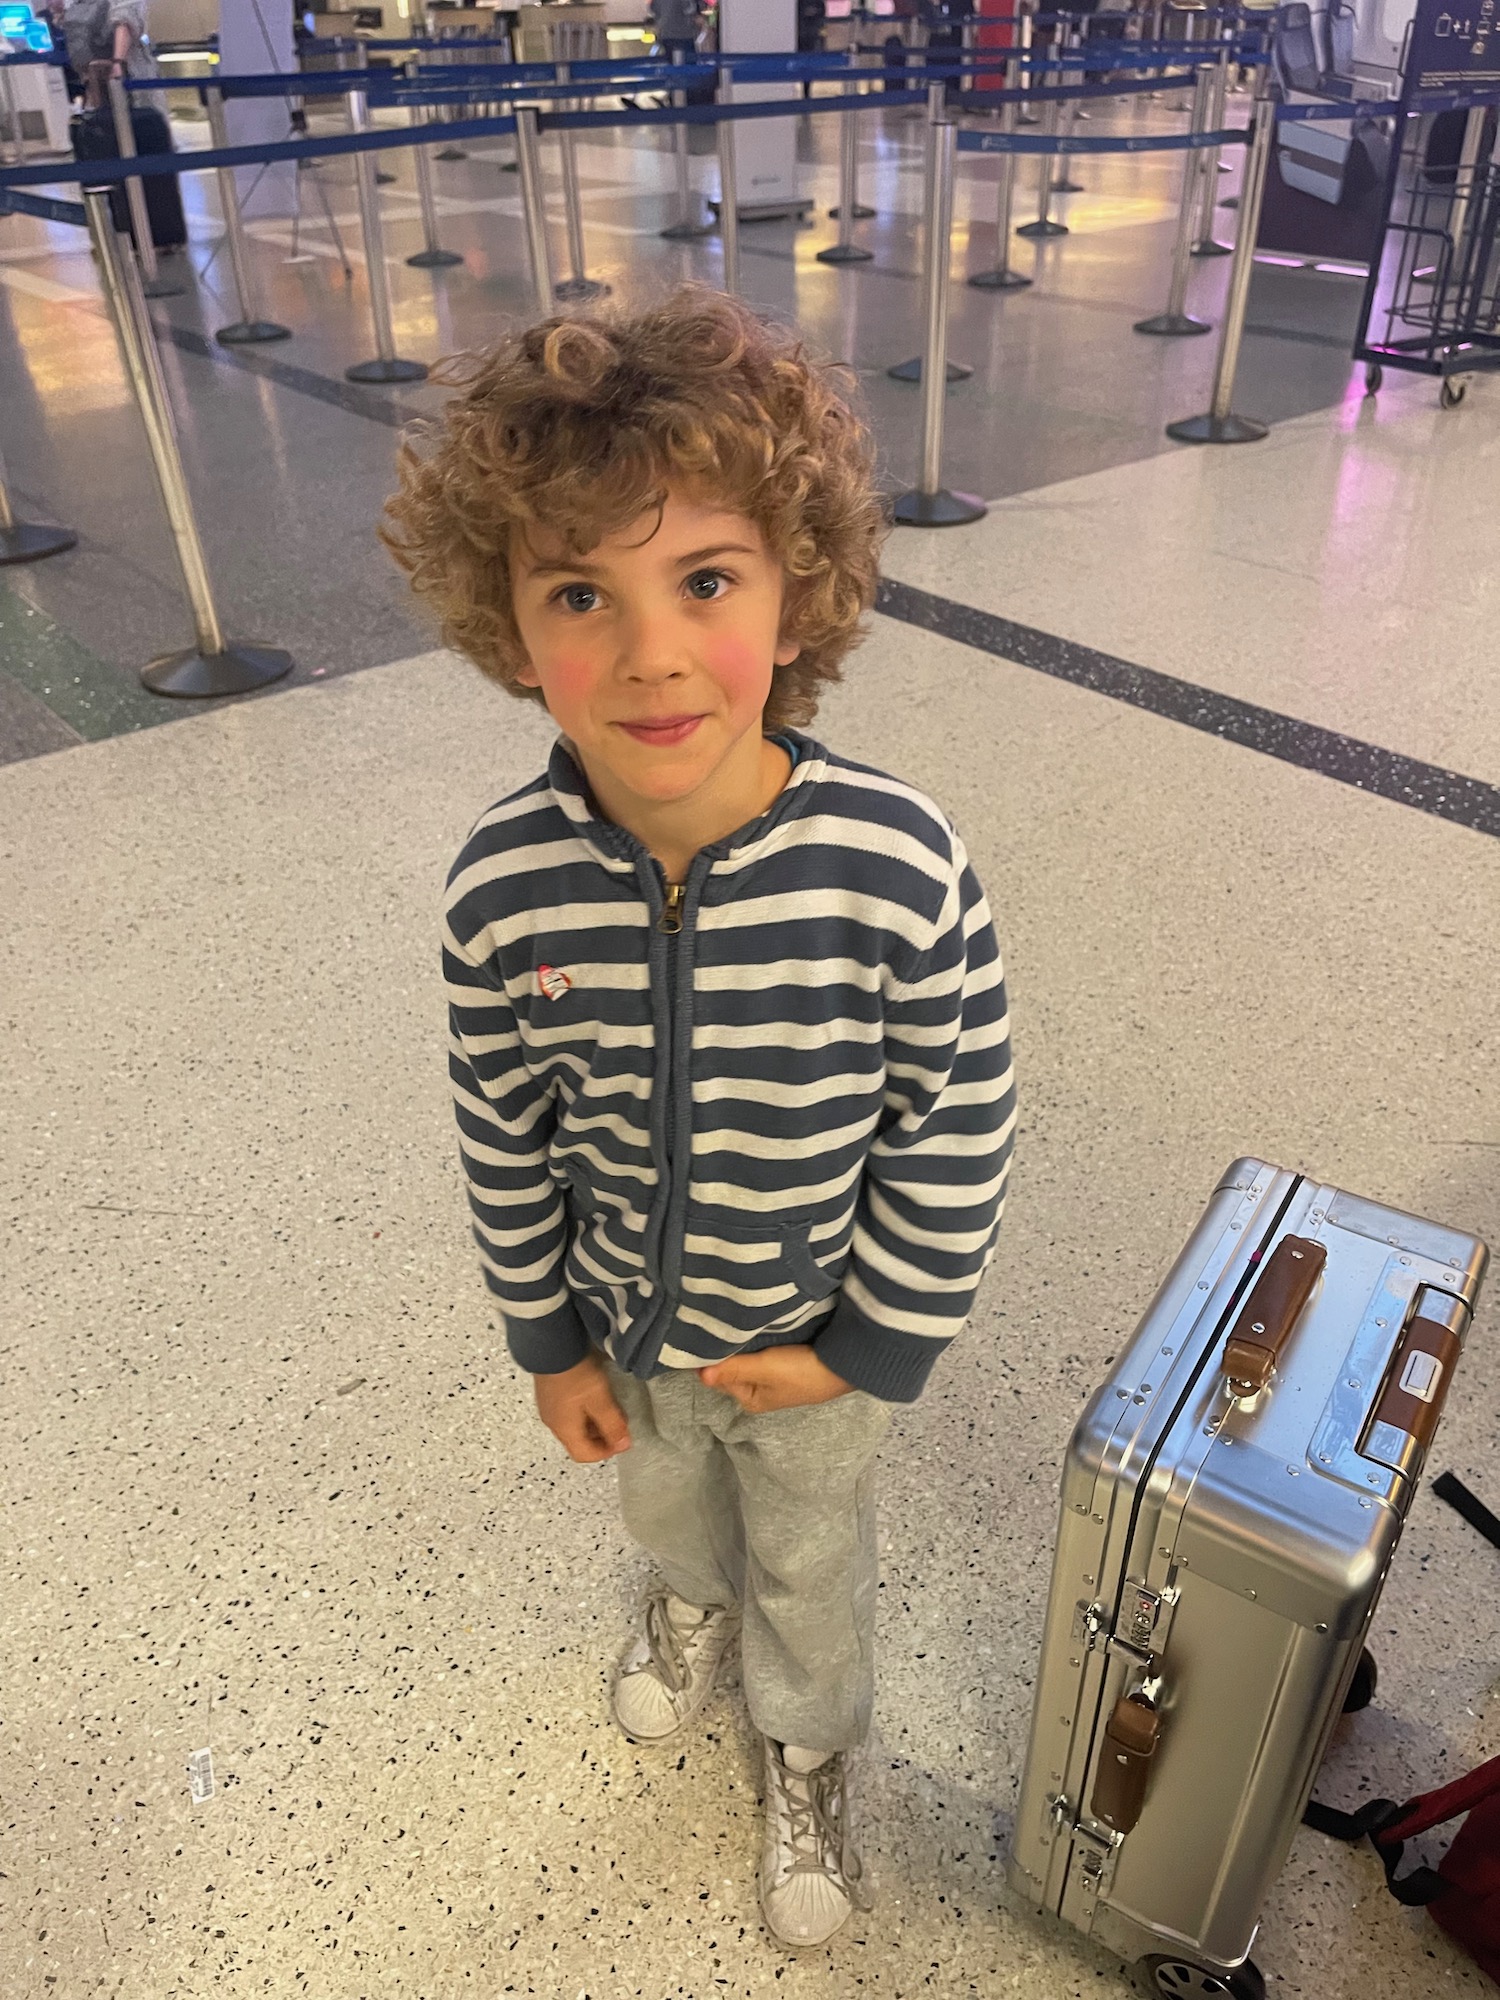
x,y
162,288
451,153
28,541
581,288
1068,187
1005,280
192,675
386,371
861,213
249,332
911,371
844,253
1172,324
1208,248
434,260
1036,229
1218,430
937,510
686,232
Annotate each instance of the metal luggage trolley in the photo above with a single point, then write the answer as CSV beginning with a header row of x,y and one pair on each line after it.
x,y
1432,299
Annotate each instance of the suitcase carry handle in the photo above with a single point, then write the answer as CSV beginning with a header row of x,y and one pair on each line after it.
x,y
1131,1739
1271,1312
1417,1381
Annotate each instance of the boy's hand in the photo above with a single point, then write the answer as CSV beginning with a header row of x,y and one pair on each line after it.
x,y
579,1408
778,1378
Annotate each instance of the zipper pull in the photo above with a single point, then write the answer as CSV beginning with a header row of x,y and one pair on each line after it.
x,y
670,919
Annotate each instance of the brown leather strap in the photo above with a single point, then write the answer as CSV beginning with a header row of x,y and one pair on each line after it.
x,y
1271,1312
1131,1737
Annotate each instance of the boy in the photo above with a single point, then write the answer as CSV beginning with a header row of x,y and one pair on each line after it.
x,y
729,1037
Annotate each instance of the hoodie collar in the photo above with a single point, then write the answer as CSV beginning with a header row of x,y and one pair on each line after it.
x,y
620,851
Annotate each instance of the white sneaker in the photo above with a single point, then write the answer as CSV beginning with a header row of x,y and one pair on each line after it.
x,y
669,1671
811,1876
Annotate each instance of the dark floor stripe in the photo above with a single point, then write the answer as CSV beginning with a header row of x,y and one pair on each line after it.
x,y
1446,795
305,381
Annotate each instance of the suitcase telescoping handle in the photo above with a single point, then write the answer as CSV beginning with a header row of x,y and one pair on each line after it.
x,y
1269,1314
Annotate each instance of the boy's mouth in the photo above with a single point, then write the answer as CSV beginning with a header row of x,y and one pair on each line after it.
x,y
662,730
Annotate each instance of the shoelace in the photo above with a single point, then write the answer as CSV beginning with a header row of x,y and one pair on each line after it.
x,y
664,1641
819,1826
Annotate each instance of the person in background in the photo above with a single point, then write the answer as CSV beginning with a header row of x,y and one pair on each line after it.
x,y
107,38
812,17
676,24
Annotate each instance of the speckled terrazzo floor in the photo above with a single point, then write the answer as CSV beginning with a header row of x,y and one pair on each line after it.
x,y
272,1489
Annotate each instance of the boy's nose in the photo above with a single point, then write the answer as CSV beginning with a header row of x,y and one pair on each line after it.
x,y
653,649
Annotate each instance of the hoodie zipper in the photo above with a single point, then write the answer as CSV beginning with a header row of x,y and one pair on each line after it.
x,y
670,920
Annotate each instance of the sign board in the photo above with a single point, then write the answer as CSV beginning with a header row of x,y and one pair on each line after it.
x,y
1455,44
765,149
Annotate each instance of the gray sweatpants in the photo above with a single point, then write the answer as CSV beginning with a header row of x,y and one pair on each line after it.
x,y
774,1511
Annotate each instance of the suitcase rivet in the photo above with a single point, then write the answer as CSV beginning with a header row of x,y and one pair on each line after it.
x,y
1351,1383
1233,1225
1380,1322
1203,1286
1123,1394
1292,1471
1364,1503
1257,1326
1137,1399
1249,1593
1321,1628
1406,1260
1324,1459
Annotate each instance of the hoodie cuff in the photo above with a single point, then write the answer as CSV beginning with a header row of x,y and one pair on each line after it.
x,y
892,1366
547,1346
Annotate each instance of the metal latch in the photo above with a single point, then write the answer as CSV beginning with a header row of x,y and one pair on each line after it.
x,y
1097,1852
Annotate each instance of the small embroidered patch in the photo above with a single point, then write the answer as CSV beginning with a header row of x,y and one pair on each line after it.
x,y
553,982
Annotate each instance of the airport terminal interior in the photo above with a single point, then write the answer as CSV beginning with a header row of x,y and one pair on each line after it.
x,y
1219,728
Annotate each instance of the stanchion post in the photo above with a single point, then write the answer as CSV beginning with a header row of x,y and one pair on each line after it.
x,y
27,541
1044,225
1219,425
846,250
1003,278
729,193
580,285
930,505
432,256
16,146
915,370
1208,170
387,366
153,283
1024,34
684,229
528,154
211,666
859,210
1175,320
1065,183
250,327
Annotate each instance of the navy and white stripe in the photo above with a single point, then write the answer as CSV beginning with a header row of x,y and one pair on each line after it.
x,y
792,1121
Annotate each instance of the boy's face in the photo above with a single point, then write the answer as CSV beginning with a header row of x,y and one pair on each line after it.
x,y
654,652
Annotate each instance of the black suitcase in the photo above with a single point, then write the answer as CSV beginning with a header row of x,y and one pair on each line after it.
x,y
93,136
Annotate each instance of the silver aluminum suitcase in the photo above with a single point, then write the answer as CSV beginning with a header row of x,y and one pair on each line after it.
x,y
1231,1500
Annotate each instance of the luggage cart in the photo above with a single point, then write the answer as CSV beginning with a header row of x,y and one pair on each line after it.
x,y
1432,302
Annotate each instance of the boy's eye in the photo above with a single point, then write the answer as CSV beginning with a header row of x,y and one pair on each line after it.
x,y
578,596
707,584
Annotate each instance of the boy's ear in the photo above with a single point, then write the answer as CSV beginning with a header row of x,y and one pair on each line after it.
x,y
527,676
787,650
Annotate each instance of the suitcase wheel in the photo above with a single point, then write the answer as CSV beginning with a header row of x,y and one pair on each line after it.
x,y
1362,1687
1181,1979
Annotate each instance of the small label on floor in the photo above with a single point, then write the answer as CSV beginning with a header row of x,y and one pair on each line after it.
x,y
201,1775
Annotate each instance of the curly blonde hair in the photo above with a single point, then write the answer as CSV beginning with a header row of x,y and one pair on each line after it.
x,y
578,426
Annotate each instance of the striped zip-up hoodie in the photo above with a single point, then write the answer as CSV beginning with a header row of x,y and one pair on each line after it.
x,y
772,1104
